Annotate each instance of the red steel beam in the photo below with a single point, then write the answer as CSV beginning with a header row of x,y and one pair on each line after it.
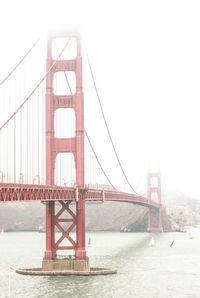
x,y
30,192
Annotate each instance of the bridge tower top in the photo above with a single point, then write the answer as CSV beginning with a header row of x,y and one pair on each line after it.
x,y
74,101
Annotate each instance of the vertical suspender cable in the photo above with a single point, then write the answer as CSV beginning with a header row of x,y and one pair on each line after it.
x,y
7,153
7,122
27,142
33,140
38,139
43,136
21,146
15,169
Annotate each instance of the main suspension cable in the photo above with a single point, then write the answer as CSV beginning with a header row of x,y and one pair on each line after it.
x,y
89,141
18,64
106,124
37,86
98,160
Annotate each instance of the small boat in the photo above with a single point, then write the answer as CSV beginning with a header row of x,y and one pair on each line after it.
x,y
172,243
152,242
89,242
190,236
41,229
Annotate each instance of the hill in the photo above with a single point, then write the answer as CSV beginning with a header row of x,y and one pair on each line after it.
x,y
181,211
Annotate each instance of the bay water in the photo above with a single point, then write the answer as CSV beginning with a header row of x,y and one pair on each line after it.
x,y
160,271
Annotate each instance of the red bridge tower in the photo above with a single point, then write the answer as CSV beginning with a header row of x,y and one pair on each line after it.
x,y
60,145
154,215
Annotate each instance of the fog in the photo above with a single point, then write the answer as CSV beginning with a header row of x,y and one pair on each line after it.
x,y
146,62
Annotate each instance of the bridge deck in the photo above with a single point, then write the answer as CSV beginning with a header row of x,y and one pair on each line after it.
x,y
31,192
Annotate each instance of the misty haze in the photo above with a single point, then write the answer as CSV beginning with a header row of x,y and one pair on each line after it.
x,y
99,149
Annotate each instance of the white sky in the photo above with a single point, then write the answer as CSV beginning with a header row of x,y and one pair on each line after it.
x,y
146,60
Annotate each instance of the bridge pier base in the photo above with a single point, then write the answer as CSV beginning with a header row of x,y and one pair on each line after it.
x,y
66,264
65,219
69,265
155,230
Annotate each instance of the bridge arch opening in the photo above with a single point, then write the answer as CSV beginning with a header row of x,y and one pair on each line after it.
x,y
154,181
64,123
154,196
64,83
65,170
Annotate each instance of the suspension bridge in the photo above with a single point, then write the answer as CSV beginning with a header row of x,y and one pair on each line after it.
x,y
45,149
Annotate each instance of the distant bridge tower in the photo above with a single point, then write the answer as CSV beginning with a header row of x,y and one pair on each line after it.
x,y
75,146
154,193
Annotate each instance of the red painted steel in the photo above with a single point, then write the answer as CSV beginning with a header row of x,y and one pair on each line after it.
x,y
154,215
32,192
57,145
65,233
65,196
